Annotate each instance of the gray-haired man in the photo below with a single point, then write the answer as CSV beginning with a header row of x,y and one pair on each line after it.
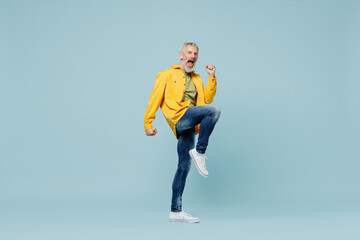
x,y
182,97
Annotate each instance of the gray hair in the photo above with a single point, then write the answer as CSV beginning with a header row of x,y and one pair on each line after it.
x,y
191,44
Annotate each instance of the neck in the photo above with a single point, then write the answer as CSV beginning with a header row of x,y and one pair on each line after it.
x,y
181,65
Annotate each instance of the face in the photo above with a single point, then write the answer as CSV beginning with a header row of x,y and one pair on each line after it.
x,y
189,57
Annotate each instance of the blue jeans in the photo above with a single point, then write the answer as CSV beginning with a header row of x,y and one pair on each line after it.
x,y
185,128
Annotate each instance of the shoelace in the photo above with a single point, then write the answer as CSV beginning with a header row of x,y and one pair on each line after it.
x,y
187,214
203,162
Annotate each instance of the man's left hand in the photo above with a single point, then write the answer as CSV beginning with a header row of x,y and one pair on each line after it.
x,y
210,69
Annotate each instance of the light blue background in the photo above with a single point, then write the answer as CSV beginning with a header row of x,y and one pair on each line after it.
x,y
75,80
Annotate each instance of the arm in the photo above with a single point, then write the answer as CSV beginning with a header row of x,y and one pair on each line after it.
x,y
154,103
210,89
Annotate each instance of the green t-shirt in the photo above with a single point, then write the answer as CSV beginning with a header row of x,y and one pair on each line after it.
x,y
190,91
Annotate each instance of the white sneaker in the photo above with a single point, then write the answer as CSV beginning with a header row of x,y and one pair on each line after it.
x,y
182,217
199,160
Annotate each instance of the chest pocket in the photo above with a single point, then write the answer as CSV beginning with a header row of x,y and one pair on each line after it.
x,y
175,88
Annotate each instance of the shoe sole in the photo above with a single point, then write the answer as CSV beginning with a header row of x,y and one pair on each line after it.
x,y
197,167
184,221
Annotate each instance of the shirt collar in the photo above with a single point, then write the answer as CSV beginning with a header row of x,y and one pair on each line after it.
x,y
175,66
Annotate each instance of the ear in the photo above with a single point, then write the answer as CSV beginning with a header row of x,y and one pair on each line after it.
x,y
181,55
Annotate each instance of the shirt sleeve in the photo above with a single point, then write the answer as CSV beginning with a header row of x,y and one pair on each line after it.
x,y
210,90
156,98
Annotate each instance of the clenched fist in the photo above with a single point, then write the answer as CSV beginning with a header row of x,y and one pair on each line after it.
x,y
151,132
210,69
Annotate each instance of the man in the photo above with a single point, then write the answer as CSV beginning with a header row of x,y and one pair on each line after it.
x,y
181,95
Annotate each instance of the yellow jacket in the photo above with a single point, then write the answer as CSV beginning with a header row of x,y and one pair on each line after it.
x,y
168,93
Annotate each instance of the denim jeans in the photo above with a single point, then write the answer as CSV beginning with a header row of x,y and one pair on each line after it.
x,y
185,128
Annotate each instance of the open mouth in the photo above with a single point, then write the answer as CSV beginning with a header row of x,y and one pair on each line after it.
x,y
190,63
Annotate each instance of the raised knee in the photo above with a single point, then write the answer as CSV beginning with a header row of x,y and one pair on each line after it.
x,y
216,110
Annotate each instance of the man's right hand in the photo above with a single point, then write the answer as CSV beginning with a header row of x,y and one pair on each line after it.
x,y
151,132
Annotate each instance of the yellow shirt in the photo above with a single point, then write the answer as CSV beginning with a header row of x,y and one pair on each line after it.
x,y
168,93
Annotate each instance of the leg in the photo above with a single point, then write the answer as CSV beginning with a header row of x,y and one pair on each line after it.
x,y
206,116
185,143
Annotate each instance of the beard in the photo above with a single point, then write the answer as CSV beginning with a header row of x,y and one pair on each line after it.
x,y
186,68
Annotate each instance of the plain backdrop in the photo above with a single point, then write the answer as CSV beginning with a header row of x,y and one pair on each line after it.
x,y
76,76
